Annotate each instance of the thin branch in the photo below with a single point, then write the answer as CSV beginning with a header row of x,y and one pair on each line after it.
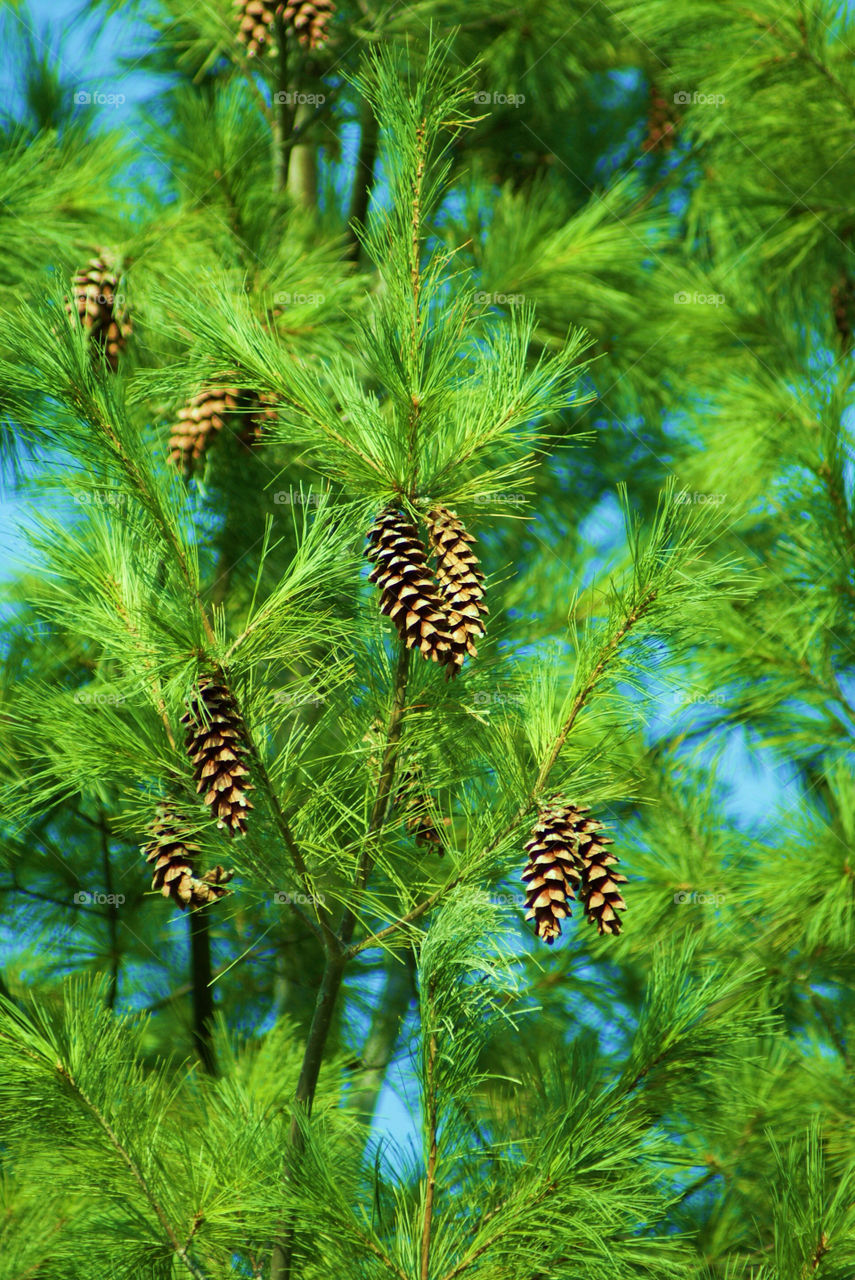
x,y
198,922
322,929
417,912
587,689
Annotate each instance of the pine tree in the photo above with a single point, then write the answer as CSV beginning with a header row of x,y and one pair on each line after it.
x,y
370,254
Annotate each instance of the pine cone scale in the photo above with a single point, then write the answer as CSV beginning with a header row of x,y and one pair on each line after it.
x,y
460,583
173,859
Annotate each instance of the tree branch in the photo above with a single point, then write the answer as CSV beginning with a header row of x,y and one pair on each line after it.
x,y
198,922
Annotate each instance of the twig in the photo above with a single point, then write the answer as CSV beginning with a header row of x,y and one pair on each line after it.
x,y
590,684
198,923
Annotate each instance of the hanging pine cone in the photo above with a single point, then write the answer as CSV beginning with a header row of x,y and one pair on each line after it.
x,y
308,19
173,857
414,801
95,302
567,856
200,421
407,591
600,893
662,121
255,20
197,424
552,873
216,743
460,583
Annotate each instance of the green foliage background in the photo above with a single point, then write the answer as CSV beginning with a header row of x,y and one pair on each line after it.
x,y
443,244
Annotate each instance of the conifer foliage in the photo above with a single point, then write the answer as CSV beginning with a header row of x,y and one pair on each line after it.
x,y
573,281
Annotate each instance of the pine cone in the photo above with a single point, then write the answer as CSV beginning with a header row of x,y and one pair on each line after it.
x,y
407,591
460,583
600,893
202,418
418,819
553,871
309,20
94,300
662,122
255,19
197,424
216,743
174,856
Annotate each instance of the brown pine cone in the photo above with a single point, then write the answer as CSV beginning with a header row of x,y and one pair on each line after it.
x,y
552,873
94,300
460,583
407,592
173,856
216,742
